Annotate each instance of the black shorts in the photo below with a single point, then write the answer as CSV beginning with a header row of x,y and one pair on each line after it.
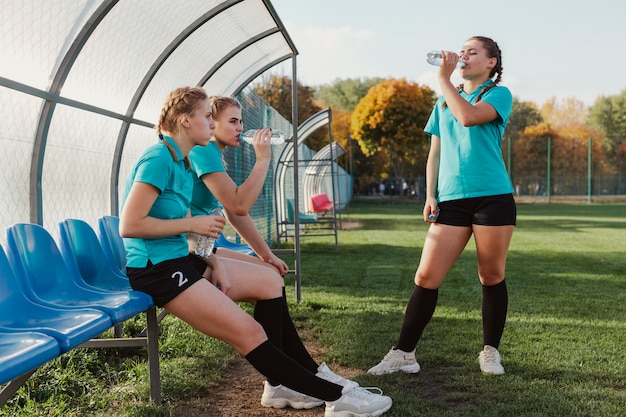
x,y
495,210
165,280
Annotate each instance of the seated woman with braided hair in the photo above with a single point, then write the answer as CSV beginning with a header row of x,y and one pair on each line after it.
x,y
262,276
154,221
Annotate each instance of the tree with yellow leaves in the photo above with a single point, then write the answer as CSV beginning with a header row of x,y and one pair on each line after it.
x,y
390,119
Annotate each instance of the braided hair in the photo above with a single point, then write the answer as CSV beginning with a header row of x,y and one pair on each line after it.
x,y
181,101
493,51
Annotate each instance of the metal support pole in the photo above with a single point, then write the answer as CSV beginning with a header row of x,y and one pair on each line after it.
x,y
296,185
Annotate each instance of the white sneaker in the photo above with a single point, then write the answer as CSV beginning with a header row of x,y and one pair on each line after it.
x,y
324,372
489,360
281,397
396,360
357,402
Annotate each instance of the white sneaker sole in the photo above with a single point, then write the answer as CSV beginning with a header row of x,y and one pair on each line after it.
x,y
351,414
407,369
282,403
492,371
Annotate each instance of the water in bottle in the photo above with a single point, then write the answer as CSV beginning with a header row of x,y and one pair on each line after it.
x,y
204,244
434,58
278,137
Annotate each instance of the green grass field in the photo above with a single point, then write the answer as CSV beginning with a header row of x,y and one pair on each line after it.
x,y
564,346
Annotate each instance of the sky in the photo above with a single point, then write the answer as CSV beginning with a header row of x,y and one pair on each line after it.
x,y
558,49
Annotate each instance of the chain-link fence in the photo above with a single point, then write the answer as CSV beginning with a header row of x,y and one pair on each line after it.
x,y
239,161
560,168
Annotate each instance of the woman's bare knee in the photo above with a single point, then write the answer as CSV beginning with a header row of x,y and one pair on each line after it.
x,y
489,279
427,281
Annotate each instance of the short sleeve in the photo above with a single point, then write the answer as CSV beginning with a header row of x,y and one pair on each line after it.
x,y
501,99
206,159
150,167
432,125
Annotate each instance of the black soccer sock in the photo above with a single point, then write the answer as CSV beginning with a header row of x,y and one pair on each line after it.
x,y
419,311
292,344
277,366
495,306
269,315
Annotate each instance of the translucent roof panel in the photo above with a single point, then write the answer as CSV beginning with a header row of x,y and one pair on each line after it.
x,y
123,47
83,81
16,141
79,151
35,35
196,57
240,69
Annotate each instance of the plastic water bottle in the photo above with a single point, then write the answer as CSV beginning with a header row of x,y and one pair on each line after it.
x,y
204,244
278,137
434,58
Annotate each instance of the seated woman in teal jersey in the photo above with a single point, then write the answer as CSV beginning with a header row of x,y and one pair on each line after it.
x,y
154,222
212,184
468,192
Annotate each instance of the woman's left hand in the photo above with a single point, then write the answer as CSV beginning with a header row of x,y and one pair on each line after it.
x,y
277,263
219,276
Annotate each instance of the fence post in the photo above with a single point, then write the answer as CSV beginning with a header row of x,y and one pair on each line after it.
x,y
589,170
549,187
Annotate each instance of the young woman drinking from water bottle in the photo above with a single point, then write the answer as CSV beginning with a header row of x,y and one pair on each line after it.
x,y
468,193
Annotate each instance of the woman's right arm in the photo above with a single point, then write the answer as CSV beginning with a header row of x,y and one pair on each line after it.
x,y
432,177
135,222
466,113
239,199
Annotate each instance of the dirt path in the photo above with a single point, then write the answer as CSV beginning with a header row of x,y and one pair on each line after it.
x,y
238,394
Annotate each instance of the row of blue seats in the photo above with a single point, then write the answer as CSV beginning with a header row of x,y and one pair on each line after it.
x,y
54,298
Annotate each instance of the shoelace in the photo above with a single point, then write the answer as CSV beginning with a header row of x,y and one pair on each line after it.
x,y
390,354
393,353
333,377
490,357
365,392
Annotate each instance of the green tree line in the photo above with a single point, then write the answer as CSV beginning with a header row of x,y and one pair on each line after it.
x,y
381,121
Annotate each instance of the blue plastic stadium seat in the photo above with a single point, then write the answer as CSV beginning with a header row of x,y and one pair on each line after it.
x,y
24,352
112,243
80,246
223,242
36,258
18,313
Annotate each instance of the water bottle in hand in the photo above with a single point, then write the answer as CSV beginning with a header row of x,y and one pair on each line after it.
x,y
205,244
434,58
278,137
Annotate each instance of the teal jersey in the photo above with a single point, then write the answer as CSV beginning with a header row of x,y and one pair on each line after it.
x,y
471,162
156,166
204,160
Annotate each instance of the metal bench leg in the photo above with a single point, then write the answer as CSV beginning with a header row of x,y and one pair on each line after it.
x,y
160,317
12,387
117,330
153,356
